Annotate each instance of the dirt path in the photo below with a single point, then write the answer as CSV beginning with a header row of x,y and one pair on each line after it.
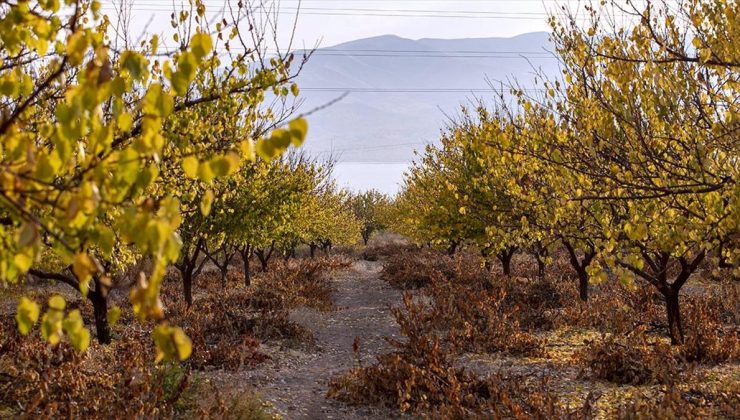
x,y
296,383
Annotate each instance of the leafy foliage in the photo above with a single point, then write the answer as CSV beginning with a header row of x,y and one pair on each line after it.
x,y
103,149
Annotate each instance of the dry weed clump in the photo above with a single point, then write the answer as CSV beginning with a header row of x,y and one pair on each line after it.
x,y
706,340
613,308
413,270
376,252
474,320
226,325
302,282
675,403
38,380
631,360
535,301
419,377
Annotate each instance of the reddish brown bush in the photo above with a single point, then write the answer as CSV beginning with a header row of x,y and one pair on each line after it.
x,y
673,403
419,377
614,308
375,252
412,270
706,340
630,360
302,282
474,320
38,380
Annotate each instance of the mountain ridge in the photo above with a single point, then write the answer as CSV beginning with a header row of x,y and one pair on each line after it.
x,y
401,90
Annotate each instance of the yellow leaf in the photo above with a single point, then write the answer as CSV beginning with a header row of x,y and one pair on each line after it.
x,y
298,131
206,202
26,315
113,315
190,166
201,44
84,267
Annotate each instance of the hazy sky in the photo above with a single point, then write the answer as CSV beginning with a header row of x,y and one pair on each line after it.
x,y
336,21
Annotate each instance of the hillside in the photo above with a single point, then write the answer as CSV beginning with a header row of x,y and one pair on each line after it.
x,y
394,104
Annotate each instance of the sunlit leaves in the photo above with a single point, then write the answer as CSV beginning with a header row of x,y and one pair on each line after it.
x,y
201,45
172,343
74,327
206,203
26,315
101,154
113,315
190,166
281,139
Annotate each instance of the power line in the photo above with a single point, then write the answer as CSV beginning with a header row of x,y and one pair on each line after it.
x,y
409,90
384,10
371,148
310,13
323,54
436,51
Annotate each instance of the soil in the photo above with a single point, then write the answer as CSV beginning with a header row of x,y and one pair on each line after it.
x,y
295,382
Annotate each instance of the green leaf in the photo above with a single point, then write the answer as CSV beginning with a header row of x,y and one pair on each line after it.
x,y
158,102
205,173
186,68
26,315
23,262
265,149
135,64
76,47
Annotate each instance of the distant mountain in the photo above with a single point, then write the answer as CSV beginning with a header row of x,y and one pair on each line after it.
x,y
402,91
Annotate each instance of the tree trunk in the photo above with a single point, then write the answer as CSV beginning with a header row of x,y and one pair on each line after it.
x,y
540,254
264,257
245,253
187,286
313,247
505,258
452,248
583,284
506,264
326,247
659,267
675,329
189,269
581,268
224,275
100,310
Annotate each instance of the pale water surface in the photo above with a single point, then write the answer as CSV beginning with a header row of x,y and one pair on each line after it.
x,y
358,176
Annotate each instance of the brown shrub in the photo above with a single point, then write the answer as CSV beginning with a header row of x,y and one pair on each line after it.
x,y
302,282
39,380
630,360
376,252
673,403
413,270
706,340
474,320
419,377
614,308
